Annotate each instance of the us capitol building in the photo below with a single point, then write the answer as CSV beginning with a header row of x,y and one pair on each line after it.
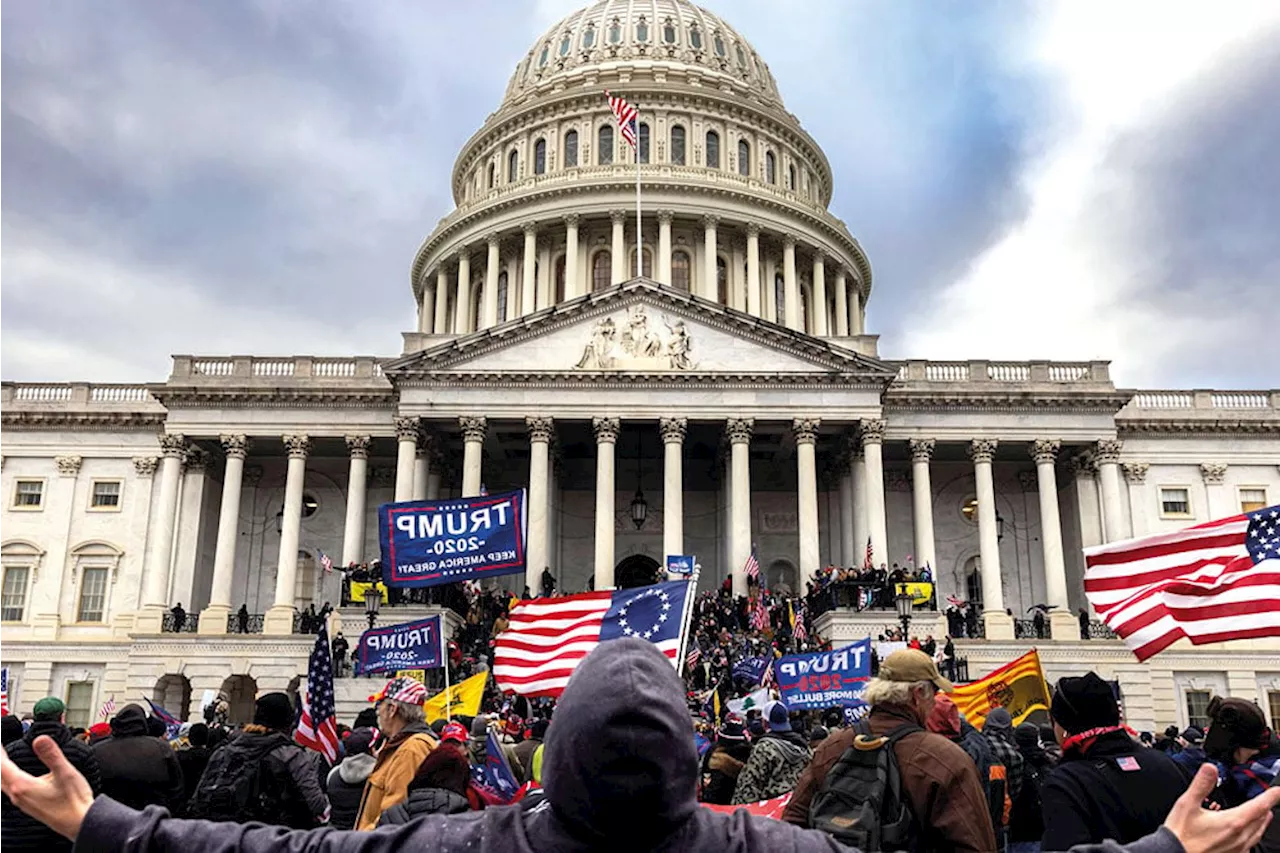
x,y
727,394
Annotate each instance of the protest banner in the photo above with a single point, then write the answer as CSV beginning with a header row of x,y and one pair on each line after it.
x,y
409,645
427,543
418,675
824,679
765,808
1019,687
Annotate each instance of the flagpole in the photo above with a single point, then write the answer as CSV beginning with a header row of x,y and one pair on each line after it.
x,y
444,658
639,249
686,618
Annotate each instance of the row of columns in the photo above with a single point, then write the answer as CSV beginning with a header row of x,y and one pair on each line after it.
x,y
536,294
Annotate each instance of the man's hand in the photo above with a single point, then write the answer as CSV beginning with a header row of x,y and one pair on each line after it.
x,y
59,799
1227,831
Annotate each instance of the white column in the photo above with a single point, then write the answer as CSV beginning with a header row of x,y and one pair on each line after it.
x,y
791,286
673,433
213,619
544,275
528,285
806,435
842,305
279,619
1107,453
855,309
473,431
1062,623
663,268
421,468
618,249
462,305
999,625
1214,475
441,325
877,527
427,313
739,432
492,268
160,557
606,430
540,432
357,494
861,521
819,295
572,286
434,474
848,551
922,502
1135,474
768,288
709,257
753,269
406,449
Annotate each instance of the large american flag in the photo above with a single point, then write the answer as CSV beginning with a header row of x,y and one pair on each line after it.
x,y
549,636
1209,583
626,115
317,729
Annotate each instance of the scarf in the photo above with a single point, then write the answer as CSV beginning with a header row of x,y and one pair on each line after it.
x,y
1084,740
1251,778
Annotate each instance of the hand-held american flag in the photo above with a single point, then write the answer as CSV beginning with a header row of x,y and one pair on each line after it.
x,y
318,729
627,115
549,636
752,567
1209,583
108,708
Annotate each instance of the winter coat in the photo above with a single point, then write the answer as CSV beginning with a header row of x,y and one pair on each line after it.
x,y
290,770
776,762
524,755
345,787
137,769
396,765
721,768
19,832
192,760
1091,796
1189,758
940,782
424,801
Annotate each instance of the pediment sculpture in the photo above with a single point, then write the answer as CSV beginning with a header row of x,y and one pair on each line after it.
x,y
637,345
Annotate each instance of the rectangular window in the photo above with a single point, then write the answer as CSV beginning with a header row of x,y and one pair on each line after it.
x,y
106,494
1198,708
1273,706
80,703
1175,502
13,597
93,595
28,494
1252,497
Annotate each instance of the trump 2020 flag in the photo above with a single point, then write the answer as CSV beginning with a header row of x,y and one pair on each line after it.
x,y
494,778
548,636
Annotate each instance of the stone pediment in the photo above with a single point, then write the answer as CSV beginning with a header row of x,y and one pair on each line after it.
x,y
641,328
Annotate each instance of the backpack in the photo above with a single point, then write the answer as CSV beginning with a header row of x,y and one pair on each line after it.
x,y
240,788
861,803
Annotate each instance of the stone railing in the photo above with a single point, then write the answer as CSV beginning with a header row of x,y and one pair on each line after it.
x,y
1206,400
1061,372
196,368
74,394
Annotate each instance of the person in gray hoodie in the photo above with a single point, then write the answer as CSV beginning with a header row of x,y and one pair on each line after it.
x,y
345,783
621,770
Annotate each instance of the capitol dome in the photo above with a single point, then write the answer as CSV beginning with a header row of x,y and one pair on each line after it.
x,y
734,190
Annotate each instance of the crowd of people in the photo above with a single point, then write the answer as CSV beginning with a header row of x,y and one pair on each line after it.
x,y
864,587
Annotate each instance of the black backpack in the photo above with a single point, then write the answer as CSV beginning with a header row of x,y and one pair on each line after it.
x,y
860,803
240,788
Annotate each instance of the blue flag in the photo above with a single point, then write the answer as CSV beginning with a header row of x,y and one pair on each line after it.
x,y
426,543
751,669
495,776
171,723
825,679
408,645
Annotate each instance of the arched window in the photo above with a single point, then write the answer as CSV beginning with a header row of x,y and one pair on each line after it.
x,y
604,145
502,296
973,581
722,281
770,168
713,150
615,31
643,139
669,31
571,149
744,158
648,264
695,37
540,157
589,37
680,270
513,166
642,30
493,174
601,270
779,299
718,43
542,57
677,145
737,49
791,178
559,280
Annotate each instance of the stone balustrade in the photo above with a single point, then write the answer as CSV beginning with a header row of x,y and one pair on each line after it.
x,y
917,371
200,368
1229,400
74,395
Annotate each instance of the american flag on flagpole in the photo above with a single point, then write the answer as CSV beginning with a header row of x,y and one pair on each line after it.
x,y
4,690
867,560
759,615
694,655
752,567
317,729
800,632
326,562
1209,583
626,115
108,708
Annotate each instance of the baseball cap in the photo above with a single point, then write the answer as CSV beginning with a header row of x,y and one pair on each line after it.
x,y
48,708
911,665
455,732
776,714
410,691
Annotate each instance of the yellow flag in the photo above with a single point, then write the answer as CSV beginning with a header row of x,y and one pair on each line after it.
x,y
1019,687
791,615
464,698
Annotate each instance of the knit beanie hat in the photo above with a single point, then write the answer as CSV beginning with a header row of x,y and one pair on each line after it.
x,y
1084,702
480,726
1234,723
1027,737
275,711
732,729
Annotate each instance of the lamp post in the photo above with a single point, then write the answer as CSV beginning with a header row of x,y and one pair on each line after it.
x,y
372,601
639,506
903,602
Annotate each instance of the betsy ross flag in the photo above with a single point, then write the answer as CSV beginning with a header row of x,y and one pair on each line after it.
x,y
1209,583
317,728
626,115
549,636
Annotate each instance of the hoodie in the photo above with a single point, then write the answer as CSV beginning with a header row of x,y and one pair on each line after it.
x,y
137,769
345,786
620,770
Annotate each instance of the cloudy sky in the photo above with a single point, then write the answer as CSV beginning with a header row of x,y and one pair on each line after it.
x,y
1045,180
